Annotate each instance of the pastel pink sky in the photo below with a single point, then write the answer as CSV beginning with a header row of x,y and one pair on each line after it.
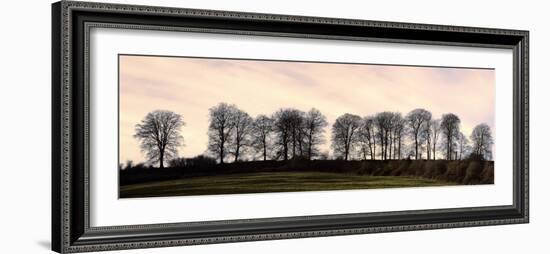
x,y
190,86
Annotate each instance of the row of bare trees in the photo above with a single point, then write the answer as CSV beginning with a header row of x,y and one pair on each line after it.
x,y
387,132
290,133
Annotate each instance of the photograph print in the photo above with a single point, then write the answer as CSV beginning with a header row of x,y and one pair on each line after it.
x,y
208,126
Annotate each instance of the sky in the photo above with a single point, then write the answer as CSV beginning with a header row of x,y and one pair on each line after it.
x,y
190,86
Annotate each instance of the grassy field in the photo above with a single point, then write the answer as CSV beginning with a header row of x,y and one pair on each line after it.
x,y
270,182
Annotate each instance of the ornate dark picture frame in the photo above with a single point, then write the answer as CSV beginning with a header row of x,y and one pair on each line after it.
x,y
71,23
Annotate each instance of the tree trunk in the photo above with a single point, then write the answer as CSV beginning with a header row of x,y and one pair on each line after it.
x,y
374,146
428,150
222,145
449,151
386,145
371,152
309,146
399,147
346,154
285,149
293,144
161,158
434,148
415,147
221,156
300,146
265,150
237,152
391,145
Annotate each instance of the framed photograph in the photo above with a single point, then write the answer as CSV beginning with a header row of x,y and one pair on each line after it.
x,y
182,126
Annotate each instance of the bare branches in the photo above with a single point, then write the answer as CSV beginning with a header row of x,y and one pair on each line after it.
x,y
262,135
417,120
463,146
384,126
314,128
367,138
345,134
298,133
450,128
291,134
398,129
482,141
159,135
434,130
283,131
220,129
229,131
240,139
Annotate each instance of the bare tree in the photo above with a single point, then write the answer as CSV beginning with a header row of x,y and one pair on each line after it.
x,y
314,125
394,125
450,128
434,135
344,134
296,121
427,135
220,130
282,120
290,130
384,126
416,121
482,141
366,137
159,135
261,134
463,146
398,129
241,135
391,136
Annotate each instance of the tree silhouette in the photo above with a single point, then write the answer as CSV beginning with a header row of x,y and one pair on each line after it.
x,y
288,125
345,134
450,128
416,121
435,127
482,141
463,146
220,129
427,134
314,124
262,129
296,123
384,127
398,129
366,137
159,135
241,134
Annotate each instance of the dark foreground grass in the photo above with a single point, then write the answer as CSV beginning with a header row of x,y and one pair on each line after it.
x,y
270,182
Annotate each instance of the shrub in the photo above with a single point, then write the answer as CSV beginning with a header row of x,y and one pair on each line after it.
x,y
487,175
475,157
473,173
